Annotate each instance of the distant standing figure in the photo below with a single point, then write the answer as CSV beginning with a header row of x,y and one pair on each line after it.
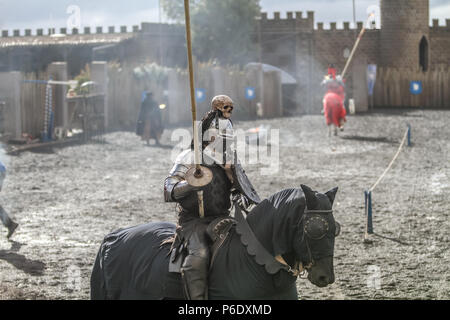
x,y
6,220
149,124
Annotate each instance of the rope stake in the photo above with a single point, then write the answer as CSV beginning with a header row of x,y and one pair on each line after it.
x,y
368,193
368,210
409,135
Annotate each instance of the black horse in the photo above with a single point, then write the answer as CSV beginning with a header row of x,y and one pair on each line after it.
x,y
294,227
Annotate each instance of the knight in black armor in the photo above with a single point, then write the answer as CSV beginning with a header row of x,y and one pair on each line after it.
x,y
225,185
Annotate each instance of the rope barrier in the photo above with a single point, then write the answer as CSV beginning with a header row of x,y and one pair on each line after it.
x,y
368,193
392,162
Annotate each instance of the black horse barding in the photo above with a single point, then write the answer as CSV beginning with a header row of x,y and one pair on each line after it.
x,y
295,224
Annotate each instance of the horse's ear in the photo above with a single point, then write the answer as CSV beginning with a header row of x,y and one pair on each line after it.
x,y
331,194
310,196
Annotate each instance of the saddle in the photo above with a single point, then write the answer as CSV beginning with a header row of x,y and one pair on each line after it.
x,y
218,231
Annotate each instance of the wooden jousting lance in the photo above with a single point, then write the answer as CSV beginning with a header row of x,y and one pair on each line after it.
x,y
356,46
197,176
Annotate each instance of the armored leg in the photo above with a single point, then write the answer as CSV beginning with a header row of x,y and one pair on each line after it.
x,y
194,270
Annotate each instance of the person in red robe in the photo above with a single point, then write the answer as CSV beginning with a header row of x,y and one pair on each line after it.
x,y
333,105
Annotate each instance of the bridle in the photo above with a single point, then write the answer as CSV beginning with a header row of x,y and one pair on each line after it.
x,y
299,269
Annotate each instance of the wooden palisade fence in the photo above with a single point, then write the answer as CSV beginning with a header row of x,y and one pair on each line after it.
x,y
392,88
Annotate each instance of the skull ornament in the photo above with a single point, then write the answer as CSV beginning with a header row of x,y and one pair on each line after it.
x,y
224,104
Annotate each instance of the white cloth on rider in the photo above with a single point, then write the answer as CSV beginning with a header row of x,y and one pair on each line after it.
x,y
224,139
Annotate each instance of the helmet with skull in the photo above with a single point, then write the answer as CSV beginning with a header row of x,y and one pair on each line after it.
x,y
224,104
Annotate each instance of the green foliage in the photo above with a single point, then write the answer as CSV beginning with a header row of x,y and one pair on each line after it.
x,y
221,29
84,76
151,72
174,9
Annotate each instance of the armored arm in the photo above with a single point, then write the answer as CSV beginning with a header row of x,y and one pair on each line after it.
x,y
175,185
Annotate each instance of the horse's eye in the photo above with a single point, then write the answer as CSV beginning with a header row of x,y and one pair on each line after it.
x,y
316,228
337,231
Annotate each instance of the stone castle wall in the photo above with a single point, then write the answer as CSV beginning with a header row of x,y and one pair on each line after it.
x,y
294,43
440,44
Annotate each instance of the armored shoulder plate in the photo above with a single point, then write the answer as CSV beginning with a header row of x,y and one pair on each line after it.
x,y
177,177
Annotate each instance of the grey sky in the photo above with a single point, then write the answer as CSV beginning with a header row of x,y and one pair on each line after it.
x,y
33,14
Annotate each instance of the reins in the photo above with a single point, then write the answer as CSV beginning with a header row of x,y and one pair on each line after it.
x,y
297,271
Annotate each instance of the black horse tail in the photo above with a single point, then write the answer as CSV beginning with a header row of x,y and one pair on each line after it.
x,y
98,291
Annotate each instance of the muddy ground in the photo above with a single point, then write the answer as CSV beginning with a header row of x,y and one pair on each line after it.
x,y
67,199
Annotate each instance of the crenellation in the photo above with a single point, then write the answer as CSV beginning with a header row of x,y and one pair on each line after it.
x,y
396,35
334,26
436,27
277,23
296,42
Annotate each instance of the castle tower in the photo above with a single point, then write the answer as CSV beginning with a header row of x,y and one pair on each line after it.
x,y
405,33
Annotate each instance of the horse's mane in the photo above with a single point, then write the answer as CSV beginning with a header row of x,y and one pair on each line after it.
x,y
275,220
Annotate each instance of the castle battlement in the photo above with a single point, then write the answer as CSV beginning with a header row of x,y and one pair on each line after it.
x,y
436,27
64,31
148,28
289,16
346,26
293,22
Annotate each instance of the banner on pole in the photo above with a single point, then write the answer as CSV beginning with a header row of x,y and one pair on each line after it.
x,y
371,77
250,93
416,87
200,95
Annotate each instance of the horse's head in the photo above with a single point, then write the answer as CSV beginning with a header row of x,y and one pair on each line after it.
x,y
315,240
